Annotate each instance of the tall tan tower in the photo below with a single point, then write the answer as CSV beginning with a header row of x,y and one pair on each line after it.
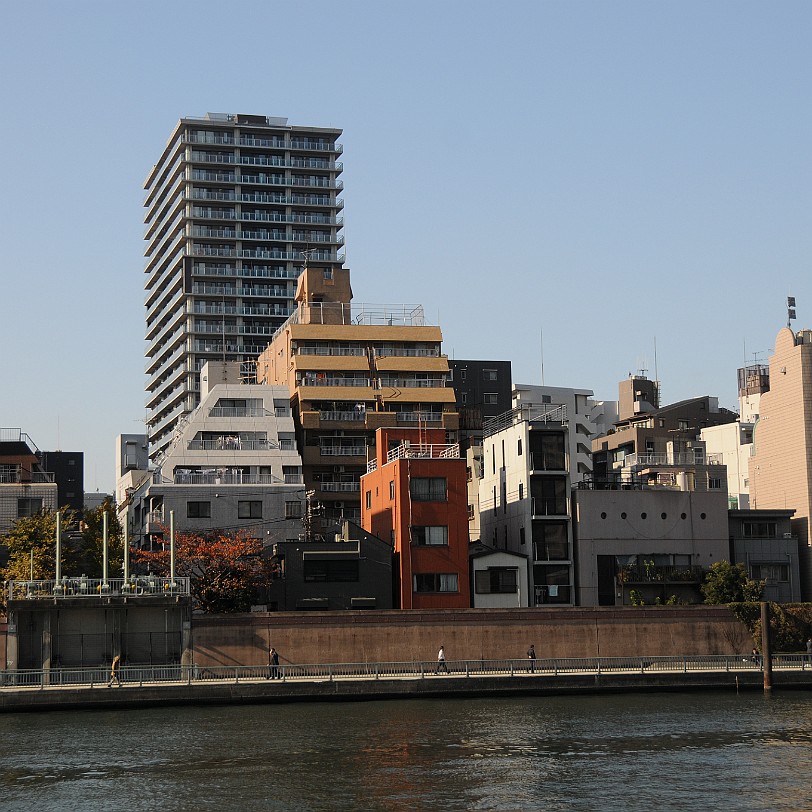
x,y
781,465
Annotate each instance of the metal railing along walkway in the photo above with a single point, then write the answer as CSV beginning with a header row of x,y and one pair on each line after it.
x,y
144,675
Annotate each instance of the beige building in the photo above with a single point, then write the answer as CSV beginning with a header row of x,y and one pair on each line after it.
x,y
351,369
781,466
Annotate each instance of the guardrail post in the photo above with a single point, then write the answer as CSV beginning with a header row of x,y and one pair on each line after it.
x,y
511,668
555,667
467,669
684,665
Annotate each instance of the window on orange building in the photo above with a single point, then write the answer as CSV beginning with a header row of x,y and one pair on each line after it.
x,y
429,489
436,582
430,535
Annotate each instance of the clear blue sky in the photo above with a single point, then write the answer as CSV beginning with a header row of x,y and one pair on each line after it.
x,y
610,172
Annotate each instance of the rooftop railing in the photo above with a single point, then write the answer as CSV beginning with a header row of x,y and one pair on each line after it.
x,y
403,315
84,587
421,451
551,413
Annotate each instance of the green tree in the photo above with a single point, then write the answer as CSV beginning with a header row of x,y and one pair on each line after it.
x,y
38,534
728,583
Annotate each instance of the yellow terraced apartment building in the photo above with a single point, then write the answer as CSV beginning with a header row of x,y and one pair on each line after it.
x,y
350,370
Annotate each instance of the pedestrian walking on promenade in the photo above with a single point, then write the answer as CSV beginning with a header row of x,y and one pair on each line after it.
x,y
531,655
114,669
441,664
273,664
809,651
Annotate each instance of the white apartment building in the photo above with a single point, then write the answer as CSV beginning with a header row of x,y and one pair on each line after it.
x,y
733,442
232,465
233,204
525,499
588,419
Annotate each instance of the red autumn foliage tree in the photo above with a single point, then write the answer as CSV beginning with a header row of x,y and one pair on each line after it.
x,y
225,571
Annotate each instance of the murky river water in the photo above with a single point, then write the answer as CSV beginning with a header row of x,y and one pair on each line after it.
x,y
646,752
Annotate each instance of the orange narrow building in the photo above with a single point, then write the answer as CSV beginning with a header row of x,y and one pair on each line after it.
x,y
415,494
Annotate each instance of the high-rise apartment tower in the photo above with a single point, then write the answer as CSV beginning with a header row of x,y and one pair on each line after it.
x,y
233,206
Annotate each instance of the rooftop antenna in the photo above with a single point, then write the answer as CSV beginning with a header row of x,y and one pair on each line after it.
x,y
541,348
790,310
656,374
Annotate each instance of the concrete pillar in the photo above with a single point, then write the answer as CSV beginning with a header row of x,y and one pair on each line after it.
x,y
47,647
12,643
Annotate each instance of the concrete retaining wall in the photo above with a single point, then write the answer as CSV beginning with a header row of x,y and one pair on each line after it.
x,y
467,634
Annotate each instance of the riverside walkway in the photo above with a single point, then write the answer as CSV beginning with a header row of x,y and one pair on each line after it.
x,y
71,688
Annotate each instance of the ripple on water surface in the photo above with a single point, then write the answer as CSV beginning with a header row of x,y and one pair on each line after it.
x,y
653,751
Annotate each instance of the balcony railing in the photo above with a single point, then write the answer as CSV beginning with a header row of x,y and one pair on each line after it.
x,y
228,477
407,352
549,506
356,351
324,381
348,415
419,417
343,450
231,444
414,383
237,411
340,487
672,458
548,461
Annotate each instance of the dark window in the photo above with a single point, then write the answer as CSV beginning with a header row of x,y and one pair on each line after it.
x,y
293,510
770,572
334,570
550,541
198,510
549,495
763,530
547,451
249,510
368,500
428,489
30,506
495,580
436,582
490,374
430,535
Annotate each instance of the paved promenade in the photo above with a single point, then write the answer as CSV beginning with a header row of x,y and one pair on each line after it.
x,y
178,685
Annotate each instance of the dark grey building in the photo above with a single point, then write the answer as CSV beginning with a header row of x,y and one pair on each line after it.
x,y
355,571
483,390
68,468
763,541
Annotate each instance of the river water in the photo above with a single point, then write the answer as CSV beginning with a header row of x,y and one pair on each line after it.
x,y
631,752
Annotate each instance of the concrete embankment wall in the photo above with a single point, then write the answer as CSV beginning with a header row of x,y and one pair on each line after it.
x,y
467,634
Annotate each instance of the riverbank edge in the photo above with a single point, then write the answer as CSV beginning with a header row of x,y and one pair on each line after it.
x,y
361,690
